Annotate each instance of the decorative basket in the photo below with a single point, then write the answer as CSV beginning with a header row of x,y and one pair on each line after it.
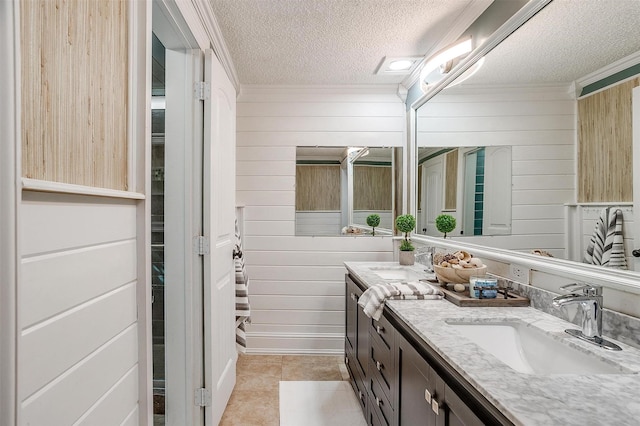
x,y
457,276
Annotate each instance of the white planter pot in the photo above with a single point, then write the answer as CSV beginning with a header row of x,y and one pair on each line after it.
x,y
407,257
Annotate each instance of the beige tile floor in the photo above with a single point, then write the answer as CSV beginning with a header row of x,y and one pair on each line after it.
x,y
255,398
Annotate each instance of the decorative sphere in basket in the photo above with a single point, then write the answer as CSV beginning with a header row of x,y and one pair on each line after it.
x,y
457,275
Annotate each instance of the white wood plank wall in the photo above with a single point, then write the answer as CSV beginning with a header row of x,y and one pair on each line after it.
x,y
540,125
297,282
78,342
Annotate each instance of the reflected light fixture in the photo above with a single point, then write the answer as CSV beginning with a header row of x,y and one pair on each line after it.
x,y
468,73
357,153
444,61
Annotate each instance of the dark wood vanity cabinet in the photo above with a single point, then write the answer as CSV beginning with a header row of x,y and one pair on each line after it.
x,y
423,396
356,342
399,381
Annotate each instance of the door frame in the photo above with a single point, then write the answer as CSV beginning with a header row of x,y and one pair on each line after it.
x,y
180,33
9,207
635,108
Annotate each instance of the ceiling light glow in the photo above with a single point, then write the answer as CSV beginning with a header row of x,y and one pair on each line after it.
x,y
400,65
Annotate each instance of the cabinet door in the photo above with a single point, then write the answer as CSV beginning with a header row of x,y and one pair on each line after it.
x,y
362,345
351,314
417,389
456,412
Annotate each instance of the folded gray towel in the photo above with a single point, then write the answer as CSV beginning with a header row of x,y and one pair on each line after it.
x,y
372,300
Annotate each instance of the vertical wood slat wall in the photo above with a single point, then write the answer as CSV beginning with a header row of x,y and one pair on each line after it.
x,y
451,180
75,91
372,187
605,145
317,188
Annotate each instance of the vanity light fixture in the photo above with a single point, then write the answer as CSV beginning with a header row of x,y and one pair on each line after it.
x,y
399,65
443,61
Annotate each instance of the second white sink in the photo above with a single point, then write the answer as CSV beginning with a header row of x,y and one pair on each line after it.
x,y
529,350
396,273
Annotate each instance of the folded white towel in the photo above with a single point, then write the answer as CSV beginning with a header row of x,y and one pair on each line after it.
x,y
372,300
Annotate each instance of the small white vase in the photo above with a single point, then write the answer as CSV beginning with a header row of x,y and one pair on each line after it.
x,y
407,257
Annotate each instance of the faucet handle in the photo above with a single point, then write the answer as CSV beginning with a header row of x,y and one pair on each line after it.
x,y
587,289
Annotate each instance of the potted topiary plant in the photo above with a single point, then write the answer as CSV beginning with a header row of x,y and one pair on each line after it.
x,y
373,220
406,223
445,223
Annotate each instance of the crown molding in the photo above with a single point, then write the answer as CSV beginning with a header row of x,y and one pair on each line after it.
x,y
563,89
402,93
218,44
252,89
461,24
607,71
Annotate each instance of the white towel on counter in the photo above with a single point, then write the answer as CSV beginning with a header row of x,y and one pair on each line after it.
x,y
606,246
372,300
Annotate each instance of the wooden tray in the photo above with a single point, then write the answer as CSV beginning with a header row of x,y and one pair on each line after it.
x,y
463,299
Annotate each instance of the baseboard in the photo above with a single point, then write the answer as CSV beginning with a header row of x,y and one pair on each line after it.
x,y
295,343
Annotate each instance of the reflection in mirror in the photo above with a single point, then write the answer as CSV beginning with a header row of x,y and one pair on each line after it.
x,y
528,152
338,187
473,184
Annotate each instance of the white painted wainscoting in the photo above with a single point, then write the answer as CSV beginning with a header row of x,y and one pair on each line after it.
x,y
297,282
77,314
539,123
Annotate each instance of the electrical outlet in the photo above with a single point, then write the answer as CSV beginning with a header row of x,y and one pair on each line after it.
x,y
519,273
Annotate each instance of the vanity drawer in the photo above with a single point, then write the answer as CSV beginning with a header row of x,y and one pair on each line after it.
x,y
379,402
381,366
383,331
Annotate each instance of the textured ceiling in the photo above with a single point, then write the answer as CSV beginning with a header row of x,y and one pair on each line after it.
x,y
314,42
567,40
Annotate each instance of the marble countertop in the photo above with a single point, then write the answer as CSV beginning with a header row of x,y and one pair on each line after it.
x,y
525,399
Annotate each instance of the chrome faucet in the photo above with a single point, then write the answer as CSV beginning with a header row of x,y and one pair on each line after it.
x,y
425,255
589,298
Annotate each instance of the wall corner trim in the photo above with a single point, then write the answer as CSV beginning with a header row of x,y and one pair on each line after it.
x,y
218,43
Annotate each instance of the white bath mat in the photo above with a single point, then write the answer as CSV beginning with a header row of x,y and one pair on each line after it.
x,y
319,404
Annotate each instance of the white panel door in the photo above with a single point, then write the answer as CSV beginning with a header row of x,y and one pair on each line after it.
x,y
432,199
219,213
497,191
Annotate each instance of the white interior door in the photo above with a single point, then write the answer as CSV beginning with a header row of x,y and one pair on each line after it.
x,y
433,175
219,213
496,219
636,179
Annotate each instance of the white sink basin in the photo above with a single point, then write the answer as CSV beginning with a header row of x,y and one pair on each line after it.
x,y
530,350
396,273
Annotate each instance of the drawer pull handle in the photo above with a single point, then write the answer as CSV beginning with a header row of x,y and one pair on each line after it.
x,y
379,329
435,406
360,395
378,401
379,365
353,296
427,396
346,360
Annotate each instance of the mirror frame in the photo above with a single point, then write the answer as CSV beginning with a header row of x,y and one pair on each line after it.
x,y
627,281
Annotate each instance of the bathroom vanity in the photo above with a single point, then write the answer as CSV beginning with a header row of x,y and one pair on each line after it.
x,y
432,362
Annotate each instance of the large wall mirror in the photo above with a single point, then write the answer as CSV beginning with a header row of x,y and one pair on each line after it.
x,y
528,152
338,187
